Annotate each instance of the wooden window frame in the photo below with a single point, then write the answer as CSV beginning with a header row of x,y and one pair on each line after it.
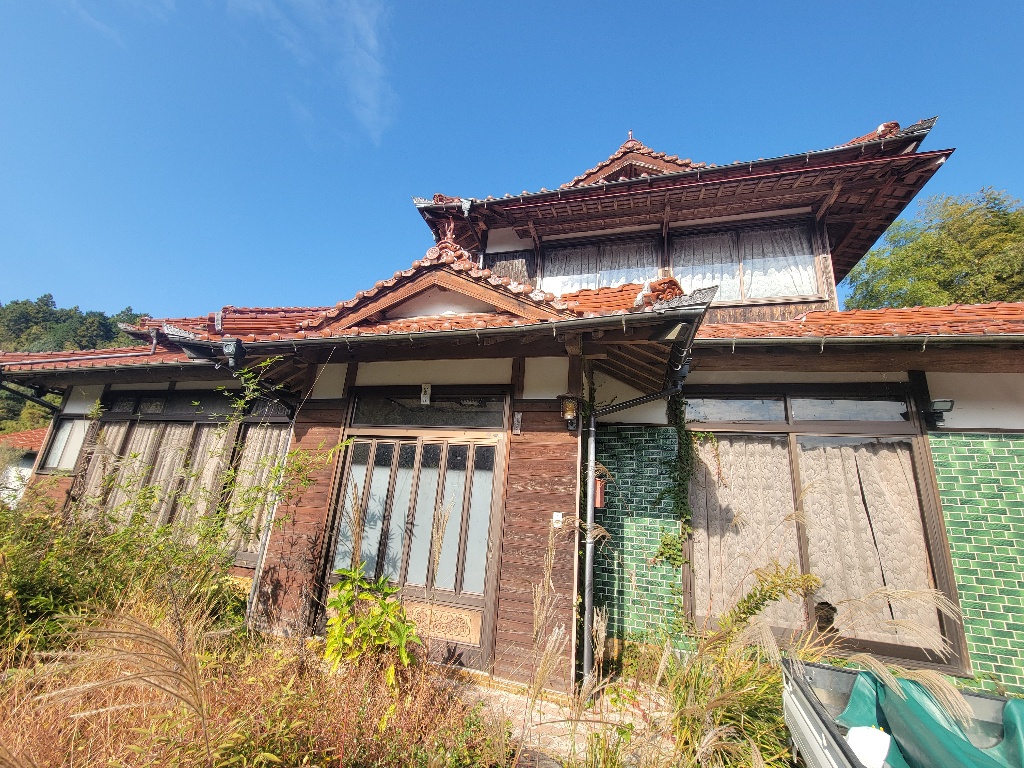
x,y
914,432
243,558
499,437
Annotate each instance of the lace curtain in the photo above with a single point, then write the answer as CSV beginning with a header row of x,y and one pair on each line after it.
x,y
743,519
777,262
204,476
604,265
701,261
864,532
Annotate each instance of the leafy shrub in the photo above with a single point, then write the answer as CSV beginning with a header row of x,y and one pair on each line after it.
x,y
55,563
366,619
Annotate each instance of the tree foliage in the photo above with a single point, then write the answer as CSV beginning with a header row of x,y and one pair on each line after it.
x,y
41,326
957,250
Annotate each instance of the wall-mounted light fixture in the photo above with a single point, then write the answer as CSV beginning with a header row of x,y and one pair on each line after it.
x,y
936,413
569,405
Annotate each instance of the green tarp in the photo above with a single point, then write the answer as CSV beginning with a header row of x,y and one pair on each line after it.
x,y
924,735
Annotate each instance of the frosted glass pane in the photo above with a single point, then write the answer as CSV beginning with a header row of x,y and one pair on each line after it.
x,y
350,505
848,409
399,510
479,519
440,412
60,439
376,504
451,508
423,522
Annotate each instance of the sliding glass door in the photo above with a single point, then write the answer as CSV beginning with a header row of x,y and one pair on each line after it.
x,y
419,511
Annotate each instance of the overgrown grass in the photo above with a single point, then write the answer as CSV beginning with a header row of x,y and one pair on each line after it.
x,y
124,693
124,642
55,563
126,645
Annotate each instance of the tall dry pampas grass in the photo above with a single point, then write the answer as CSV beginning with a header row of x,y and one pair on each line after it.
x,y
124,693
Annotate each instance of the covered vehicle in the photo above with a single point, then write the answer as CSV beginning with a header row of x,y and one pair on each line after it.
x,y
822,703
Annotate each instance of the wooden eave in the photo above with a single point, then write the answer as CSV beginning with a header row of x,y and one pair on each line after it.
x,y
856,190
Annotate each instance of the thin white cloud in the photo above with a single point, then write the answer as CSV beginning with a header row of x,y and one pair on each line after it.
x,y
345,37
79,10
158,10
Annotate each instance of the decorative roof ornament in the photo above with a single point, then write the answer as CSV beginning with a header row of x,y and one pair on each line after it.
x,y
632,160
174,332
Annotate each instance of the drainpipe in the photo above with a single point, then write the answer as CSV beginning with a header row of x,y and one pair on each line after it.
x,y
678,368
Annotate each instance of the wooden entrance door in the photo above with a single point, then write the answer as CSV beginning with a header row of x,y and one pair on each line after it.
x,y
424,511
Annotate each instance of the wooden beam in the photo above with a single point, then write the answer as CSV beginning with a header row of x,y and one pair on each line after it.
x,y
823,208
518,377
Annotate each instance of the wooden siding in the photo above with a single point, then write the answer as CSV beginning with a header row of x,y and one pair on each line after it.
x,y
542,479
520,266
289,579
760,313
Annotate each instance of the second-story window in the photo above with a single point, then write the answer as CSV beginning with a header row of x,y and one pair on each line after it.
x,y
773,262
599,265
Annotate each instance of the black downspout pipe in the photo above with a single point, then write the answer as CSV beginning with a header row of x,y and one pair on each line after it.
x,y
678,368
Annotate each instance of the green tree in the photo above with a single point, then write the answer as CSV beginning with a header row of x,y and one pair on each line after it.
x,y
41,326
957,250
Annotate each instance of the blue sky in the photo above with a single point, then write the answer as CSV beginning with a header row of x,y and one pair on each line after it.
x,y
179,156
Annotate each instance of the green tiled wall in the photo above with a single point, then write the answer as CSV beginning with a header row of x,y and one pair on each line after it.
x,y
640,596
981,482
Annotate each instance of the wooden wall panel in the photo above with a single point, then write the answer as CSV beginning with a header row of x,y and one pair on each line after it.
x,y
716,355
289,579
543,479
760,313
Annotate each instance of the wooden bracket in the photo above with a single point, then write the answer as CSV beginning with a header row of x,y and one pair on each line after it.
x,y
832,197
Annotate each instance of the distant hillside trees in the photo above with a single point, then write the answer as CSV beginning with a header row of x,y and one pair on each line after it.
x,y
957,250
41,326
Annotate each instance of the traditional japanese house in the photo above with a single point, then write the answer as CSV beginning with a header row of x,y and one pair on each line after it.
x,y
880,450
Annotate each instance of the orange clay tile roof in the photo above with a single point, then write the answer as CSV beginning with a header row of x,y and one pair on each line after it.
x,y
974,320
93,358
29,440
996,319
654,163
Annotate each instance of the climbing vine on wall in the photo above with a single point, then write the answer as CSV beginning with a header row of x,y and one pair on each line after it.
x,y
670,550
680,471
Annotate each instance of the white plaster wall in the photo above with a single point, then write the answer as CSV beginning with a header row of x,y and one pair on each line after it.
x,y
611,391
435,301
82,399
791,377
545,378
415,372
505,239
330,381
980,400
